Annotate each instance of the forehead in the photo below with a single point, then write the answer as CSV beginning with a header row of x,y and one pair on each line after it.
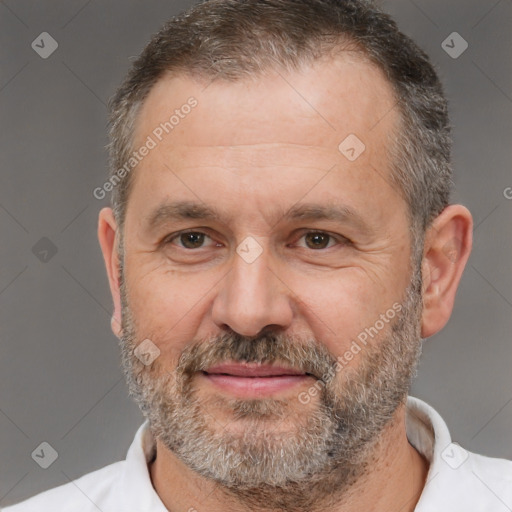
x,y
254,131
332,96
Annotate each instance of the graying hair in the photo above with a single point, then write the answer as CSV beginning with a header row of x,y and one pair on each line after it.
x,y
233,39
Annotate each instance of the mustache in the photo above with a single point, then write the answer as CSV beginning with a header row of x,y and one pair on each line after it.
x,y
305,355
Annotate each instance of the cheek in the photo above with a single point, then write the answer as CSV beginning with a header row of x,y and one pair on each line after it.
x,y
168,308
342,309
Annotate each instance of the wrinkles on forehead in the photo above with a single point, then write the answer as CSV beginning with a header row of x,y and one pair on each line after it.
x,y
242,158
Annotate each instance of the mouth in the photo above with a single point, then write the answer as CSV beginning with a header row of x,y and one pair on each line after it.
x,y
254,380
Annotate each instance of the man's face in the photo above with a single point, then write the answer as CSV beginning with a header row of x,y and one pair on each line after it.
x,y
269,280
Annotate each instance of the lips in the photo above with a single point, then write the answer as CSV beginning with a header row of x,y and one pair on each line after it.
x,y
252,380
252,370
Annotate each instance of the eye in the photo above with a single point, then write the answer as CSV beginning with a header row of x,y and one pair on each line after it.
x,y
188,239
320,240
315,240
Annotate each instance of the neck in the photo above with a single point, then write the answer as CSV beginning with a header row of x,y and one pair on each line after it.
x,y
392,479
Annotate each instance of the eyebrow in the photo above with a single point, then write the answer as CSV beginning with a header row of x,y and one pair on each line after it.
x,y
183,210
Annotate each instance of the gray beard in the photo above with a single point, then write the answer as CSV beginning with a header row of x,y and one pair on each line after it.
x,y
288,455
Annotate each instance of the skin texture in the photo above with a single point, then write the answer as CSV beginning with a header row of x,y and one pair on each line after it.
x,y
253,149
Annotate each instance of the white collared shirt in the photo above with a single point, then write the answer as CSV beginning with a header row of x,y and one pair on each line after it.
x,y
457,481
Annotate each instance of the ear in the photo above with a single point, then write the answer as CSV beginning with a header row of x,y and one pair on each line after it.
x,y
448,243
108,236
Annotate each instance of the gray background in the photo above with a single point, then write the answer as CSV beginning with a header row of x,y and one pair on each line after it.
x,y
60,377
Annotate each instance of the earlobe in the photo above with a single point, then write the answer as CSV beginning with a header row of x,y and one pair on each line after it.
x,y
115,325
108,238
448,243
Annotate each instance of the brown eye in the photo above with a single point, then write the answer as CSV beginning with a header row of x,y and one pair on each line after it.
x,y
317,240
192,240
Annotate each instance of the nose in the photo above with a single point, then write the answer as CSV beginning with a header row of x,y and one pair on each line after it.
x,y
252,298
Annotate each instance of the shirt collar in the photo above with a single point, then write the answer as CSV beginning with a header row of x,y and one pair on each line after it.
x,y
136,490
450,471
